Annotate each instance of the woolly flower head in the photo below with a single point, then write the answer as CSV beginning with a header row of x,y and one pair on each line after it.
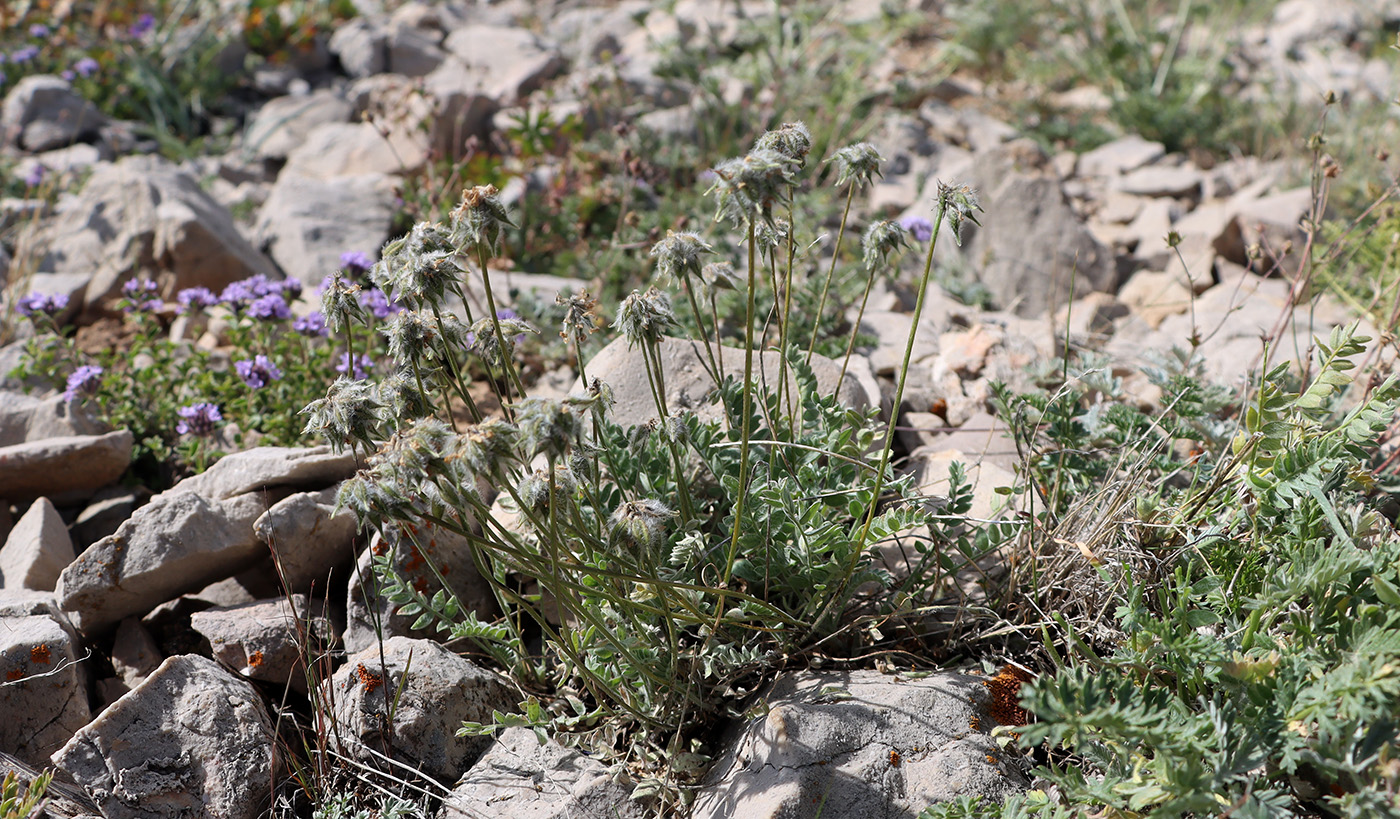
x,y
581,317
348,413
720,276
419,268
958,204
340,304
401,398
487,344
547,426
640,525
772,235
643,316
880,240
748,187
479,221
791,139
858,164
678,255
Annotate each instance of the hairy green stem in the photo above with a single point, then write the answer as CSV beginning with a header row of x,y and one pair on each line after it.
x,y
830,273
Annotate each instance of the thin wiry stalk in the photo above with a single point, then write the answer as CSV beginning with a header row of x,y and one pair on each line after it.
x,y
652,356
830,273
855,326
456,376
508,366
700,323
746,425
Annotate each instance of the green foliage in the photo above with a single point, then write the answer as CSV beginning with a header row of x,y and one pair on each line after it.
x,y
17,802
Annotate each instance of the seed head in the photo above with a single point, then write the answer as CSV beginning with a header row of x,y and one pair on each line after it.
x,y
748,187
880,240
719,276
489,447
857,164
547,426
958,204
400,397
348,413
678,255
486,344
640,525
581,317
643,316
418,268
479,221
340,304
791,139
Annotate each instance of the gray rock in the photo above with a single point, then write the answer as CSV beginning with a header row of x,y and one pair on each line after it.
x,y
1161,180
337,149
359,45
307,223
261,640
312,542
36,550
1120,156
462,108
538,781
594,34
135,654
688,383
107,510
436,692
143,214
54,466
44,695
860,744
42,112
270,467
506,63
26,418
419,558
1031,242
282,124
192,740
179,542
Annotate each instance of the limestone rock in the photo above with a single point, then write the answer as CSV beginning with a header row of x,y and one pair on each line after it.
x,y
37,549
44,698
42,112
309,537
192,740
270,467
861,744
53,466
440,691
260,640
283,123
306,224
1120,156
538,781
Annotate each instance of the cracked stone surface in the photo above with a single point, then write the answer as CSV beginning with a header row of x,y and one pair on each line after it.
x,y
44,698
191,741
861,745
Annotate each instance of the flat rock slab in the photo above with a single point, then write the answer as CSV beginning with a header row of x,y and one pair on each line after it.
x,y
54,466
436,692
861,745
538,781
270,467
177,543
311,540
44,696
191,741
688,383
259,640
26,418
37,549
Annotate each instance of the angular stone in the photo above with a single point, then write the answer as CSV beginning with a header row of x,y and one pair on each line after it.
x,y
42,112
282,124
1149,231
1120,156
44,695
307,223
53,466
270,467
192,740
539,781
1153,296
26,417
261,640
37,549
177,543
134,653
1160,180
861,744
314,543
688,382
440,691
338,149
984,439
143,214
929,465
107,510
506,63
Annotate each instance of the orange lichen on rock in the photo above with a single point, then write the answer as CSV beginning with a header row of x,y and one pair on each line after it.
x,y
369,680
11,676
255,659
1005,689
40,654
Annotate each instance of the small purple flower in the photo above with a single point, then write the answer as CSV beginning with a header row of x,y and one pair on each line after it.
x,y
355,262
363,364
84,380
311,324
67,75
138,287
271,307
47,303
258,372
25,54
375,301
36,175
291,288
198,419
196,298
919,227
237,295
86,67
38,30
143,24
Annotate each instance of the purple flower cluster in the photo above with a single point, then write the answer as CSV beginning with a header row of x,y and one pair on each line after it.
x,y
311,324
49,304
363,364
244,293
142,295
196,298
271,307
86,67
355,262
919,228
378,303
257,372
39,30
35,177
83,381
142,26
198,419
24,55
